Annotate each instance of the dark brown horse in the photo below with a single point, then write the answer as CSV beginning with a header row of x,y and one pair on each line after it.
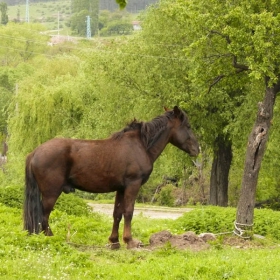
x,y
121,164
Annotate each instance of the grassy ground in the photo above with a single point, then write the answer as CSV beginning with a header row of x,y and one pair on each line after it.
x,y
78,251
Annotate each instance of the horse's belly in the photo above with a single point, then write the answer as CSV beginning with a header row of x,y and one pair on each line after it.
x,y
96,184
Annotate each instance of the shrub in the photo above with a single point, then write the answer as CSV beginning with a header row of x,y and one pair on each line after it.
x,y
220,220
13,196
166,197
207,219
72,205
267,222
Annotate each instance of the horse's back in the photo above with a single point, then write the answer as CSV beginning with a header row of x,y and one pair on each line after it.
x,y
90,165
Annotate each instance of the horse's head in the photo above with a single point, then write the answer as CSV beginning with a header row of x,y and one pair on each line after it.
x,y
182,135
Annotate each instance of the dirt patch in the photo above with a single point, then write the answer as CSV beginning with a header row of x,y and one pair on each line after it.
x,y
187,240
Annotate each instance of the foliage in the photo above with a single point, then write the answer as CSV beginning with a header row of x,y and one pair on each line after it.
x,y
122,3
166,197
21,43
4,16
115,23
82,9
13,196
6,91
48,105
104,84
82,255
220,220
209,219
226,48
72,205
78,23
117,28
268,184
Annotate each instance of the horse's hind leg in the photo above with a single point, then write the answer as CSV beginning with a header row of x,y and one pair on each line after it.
x,y
117,215
48,203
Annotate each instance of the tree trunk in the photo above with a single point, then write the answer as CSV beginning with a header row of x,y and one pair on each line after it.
x,y
219,172
255,151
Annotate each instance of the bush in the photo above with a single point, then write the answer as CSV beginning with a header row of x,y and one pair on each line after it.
x,y
166,197
220,220
267,222
207,219
72,205
13,196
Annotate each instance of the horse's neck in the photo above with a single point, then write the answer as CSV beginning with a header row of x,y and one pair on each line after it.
x,y
157,148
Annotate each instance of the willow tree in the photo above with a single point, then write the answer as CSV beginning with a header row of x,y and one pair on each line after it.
x,y
250,35
49,102
21,43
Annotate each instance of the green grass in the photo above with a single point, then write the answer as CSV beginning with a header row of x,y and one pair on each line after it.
x,y
45,13
85,256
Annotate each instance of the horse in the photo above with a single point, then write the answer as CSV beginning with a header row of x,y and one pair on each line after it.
x,y
121,163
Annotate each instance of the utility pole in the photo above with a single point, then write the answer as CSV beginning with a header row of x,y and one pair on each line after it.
x,y
88,28
27,11
58,19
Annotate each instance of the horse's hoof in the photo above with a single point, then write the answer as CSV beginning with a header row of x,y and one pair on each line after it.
x,y
134,244
114,246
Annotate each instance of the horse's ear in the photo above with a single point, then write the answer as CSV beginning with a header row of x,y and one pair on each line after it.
x,y
177,111
165,109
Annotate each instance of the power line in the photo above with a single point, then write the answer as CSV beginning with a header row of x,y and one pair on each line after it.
x,y
104,51
90,49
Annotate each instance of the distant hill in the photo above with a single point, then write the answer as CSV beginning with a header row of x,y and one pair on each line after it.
x,y
133,6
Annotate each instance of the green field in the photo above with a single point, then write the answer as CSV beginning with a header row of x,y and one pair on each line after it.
x,y
50,14
78,249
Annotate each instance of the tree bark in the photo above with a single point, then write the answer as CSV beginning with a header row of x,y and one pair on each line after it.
x,y
255,151
219,172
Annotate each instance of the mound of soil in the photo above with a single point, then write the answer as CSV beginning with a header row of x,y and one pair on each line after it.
x,y
187,240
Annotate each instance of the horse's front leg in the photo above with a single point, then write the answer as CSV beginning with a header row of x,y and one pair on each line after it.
x,y
129,201
117,215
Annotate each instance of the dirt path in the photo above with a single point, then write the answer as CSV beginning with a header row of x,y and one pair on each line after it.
x,y
151,212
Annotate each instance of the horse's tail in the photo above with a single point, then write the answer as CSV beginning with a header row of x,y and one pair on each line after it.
x,y
32,211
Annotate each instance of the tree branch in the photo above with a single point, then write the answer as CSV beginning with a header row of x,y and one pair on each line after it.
x,y
239,67
222,35
216,80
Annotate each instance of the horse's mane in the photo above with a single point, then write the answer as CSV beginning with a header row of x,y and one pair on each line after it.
x,y
149,131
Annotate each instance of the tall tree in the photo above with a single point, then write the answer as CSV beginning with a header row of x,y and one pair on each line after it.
x,y
4,16
250,35
171,74
81,9
220,171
